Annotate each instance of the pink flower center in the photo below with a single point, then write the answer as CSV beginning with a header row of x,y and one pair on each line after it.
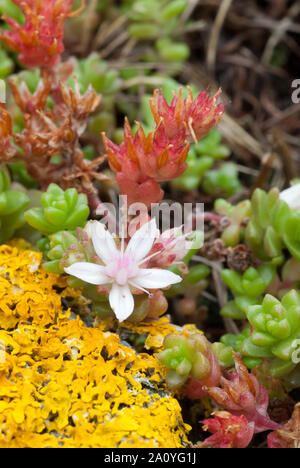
x,y
121,268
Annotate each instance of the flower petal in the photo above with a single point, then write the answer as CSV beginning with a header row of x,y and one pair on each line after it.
x,y
103,241
88,272
291,196
155,278
121,301
142,241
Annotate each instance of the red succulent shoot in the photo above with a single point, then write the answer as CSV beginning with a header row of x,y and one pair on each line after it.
x,y
5,123
145,191
39,42
7,149
30,103
197,116
241,394
228,431
141,162
153,156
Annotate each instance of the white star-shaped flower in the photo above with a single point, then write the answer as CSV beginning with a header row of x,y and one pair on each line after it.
x,y
292,196
122,268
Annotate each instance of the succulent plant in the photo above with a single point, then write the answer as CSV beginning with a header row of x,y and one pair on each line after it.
x,y
247,288
61,210
64,248
142,161
275,328
242,394
6,64
228,431
224,353
291,234
7,7
234,232
222,182
12,205
212,145
241,343
170,85
191,178
171,51
186,357
200,159
145,24
21,175
28,38
273,335
94,71
266,225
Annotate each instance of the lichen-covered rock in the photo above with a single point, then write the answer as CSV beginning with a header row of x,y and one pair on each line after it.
x,y
64,384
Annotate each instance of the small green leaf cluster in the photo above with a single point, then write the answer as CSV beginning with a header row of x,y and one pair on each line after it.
x,y
263,230
95,71
247,289
12,205
61,210
276,327
272,227
274,335
241,343
6,64
234,232
200,159
146,24
185,357
7,7
222,182
64,248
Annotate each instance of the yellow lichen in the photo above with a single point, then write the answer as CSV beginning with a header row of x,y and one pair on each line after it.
x,y
64,384
155,331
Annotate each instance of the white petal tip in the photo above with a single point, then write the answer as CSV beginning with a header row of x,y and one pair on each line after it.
x,y
291,196
121,301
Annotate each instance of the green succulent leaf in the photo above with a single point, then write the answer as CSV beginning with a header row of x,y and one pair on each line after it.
x,y
276,324
60,211
12,205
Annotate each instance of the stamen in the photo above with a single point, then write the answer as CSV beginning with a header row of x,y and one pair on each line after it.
x,y
122,238
151,256
139,288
